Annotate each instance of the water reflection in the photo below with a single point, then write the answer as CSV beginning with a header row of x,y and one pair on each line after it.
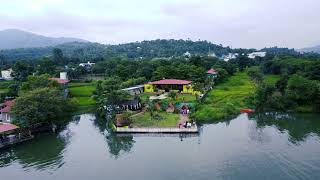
x,y
118,144
298,126
237,149
42,153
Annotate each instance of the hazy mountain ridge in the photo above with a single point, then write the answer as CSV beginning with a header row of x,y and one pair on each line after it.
x,y
14,39
315,49
86,51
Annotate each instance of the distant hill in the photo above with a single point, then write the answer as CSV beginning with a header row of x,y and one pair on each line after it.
x,y
85,51
315,49
13,38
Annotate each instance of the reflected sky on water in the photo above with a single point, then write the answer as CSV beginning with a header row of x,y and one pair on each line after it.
x,y
264,146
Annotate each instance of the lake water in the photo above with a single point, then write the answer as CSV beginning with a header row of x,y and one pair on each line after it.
x,y
273,146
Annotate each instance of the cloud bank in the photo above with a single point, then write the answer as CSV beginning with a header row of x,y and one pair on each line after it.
x,y
235,23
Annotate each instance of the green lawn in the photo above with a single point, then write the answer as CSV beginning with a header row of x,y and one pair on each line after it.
x,y
144,120
186,98
85,101
82,92
226,99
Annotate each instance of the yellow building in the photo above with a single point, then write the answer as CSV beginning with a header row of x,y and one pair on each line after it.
x,y
167,85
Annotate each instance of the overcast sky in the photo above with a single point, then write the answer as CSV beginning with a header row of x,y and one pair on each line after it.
x,y
235,23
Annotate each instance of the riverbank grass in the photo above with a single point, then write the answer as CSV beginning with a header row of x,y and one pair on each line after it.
x,y
160,119
226,99
82,94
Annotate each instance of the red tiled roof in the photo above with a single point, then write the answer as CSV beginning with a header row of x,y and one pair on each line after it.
x,y
60,81
8,104
212,71
5,127
171,81
6,109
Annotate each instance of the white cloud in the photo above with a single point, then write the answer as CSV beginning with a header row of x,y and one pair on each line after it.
x,y
237,23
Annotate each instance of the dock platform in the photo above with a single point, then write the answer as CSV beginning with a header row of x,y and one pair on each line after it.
x,y
157,130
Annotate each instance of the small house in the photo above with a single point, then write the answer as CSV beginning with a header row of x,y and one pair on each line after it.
x,y
6,74
5,115
257,54
182,86
212,73
87,65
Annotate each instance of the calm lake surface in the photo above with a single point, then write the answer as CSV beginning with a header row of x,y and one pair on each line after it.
x,y
272,146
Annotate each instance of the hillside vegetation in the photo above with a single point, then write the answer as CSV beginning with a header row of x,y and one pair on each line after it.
x,y
226,99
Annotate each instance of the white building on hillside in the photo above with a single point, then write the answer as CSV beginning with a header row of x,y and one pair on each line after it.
x,y
256,54
6,74
230,56
187,54
88,64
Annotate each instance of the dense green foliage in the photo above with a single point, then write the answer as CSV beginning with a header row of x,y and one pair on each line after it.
x,y
298,88
40,106
84,51
40,100
140,71
145,49
35,82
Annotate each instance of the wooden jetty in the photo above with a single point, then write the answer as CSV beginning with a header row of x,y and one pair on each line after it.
x,y
11,135
157,130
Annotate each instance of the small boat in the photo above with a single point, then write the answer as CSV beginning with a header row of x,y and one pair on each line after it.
x,y
247,110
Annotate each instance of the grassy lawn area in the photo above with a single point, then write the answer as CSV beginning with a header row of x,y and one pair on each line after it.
x,y
226,99
144,120
85,101
186,98
82,92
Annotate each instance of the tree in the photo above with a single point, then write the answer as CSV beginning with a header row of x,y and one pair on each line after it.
x,y
313,71
172,95
222,74
43,105
242,62
58,56
281,84
109,94
302,90
255,74
21,70
76,73
35,82
46,66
